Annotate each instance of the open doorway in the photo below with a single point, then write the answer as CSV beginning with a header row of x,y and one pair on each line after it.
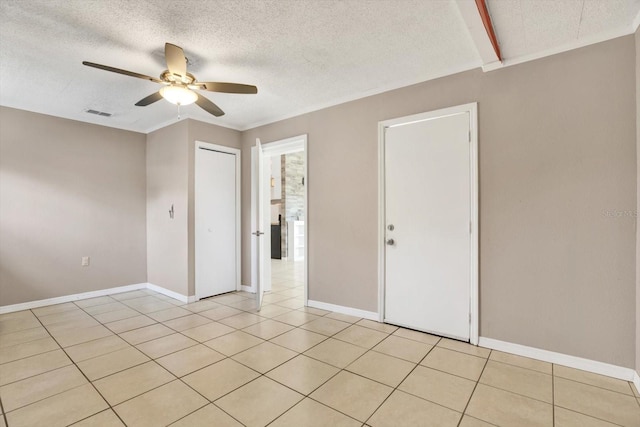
x,y
284,258
287,221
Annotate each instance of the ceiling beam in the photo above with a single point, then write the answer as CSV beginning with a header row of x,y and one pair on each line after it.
x,y
478,21
486,20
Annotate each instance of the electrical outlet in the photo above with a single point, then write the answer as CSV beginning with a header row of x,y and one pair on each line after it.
x,y
85,261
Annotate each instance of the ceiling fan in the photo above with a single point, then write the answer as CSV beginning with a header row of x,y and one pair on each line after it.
x,y
179,85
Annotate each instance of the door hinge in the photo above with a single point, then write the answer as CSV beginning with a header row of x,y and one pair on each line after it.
x,y
470,228
469,317
469,135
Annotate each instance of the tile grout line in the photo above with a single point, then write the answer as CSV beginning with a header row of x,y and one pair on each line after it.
x,y
400,383
197,343
308,395
516,393
594,386
208,403
476,418
316,401
129,344
155,323
151,360
176,378
301,353
34,375
249,368
553,404
542,401
44,398
25,342
553,396
354,373
85,376
21,331
284,385
299,327
226,357
518,366
486,362
456,375
590,416
4,413
110,407
211,402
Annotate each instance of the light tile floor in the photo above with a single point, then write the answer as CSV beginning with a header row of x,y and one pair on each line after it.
x,y
142,359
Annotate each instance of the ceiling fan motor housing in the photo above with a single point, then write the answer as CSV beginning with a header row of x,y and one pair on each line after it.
x,y
169,77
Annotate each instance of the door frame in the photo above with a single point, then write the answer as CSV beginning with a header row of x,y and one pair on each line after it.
x,y
274,148
198,189
472,109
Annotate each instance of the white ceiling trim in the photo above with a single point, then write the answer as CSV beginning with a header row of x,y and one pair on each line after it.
x,y
90,119
166,123
377,91
636,23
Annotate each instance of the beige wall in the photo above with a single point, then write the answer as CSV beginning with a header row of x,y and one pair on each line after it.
x,y
557,149
167,180
68,189
637,40
170,180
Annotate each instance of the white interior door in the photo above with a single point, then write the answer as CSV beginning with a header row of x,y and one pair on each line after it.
x,y
215,222
266,225
258,176
428,210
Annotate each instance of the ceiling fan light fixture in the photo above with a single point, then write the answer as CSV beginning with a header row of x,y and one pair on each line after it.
x,y
178,95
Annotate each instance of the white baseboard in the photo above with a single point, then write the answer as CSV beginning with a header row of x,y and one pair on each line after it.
x,y
636,381
69,298
626,374
245,288
371,315
171,294
93,294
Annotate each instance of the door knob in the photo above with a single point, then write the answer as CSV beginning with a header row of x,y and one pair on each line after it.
x,y
391,242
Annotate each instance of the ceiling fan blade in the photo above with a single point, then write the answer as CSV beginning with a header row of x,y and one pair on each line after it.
x,y
228,87
209,106
120,71
176,61
154,97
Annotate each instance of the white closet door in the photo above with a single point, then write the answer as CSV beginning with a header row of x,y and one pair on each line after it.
x,y
215,222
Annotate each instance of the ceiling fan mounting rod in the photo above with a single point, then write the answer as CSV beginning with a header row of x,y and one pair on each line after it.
x,y
169,77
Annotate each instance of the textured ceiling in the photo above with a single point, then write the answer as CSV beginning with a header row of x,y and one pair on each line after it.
x,y
302,54
528,27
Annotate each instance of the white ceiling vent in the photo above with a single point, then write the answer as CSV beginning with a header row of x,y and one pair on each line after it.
x,y
98,113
